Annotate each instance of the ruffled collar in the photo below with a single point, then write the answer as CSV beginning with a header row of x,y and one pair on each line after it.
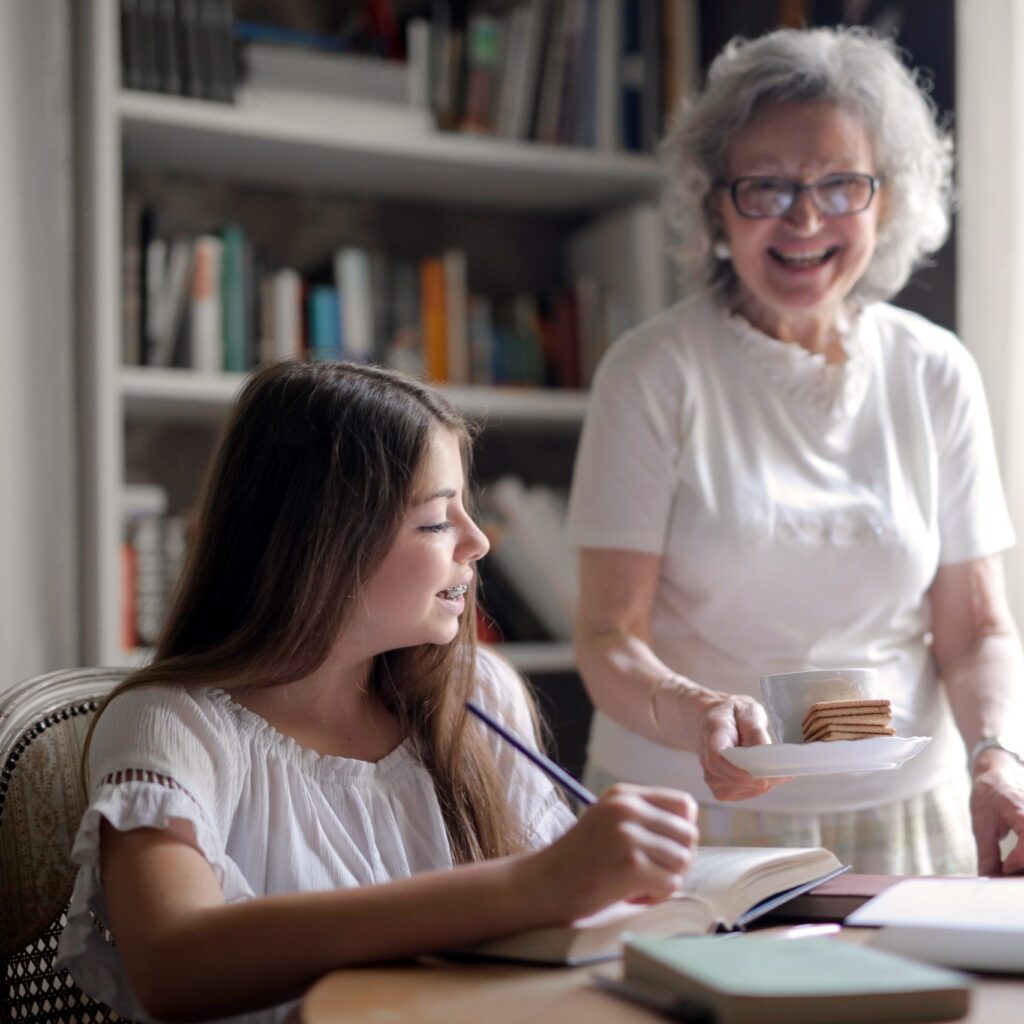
x,y
308,760
832,389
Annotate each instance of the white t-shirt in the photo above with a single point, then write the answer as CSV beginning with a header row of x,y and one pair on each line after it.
x,y
800,510
271,816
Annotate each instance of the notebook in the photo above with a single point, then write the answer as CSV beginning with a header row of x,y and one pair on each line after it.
x,y
974,923
799,981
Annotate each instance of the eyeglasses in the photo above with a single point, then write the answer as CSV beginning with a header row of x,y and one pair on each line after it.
x,y
835,195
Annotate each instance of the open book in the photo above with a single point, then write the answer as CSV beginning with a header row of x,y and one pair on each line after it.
x,y
726,888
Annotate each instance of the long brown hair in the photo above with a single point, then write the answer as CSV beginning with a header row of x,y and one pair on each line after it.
x,y
314,474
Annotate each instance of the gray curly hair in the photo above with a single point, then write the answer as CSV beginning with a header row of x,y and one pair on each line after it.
x,y
858,70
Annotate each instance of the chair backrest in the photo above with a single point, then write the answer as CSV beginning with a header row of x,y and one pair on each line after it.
x,y
43,723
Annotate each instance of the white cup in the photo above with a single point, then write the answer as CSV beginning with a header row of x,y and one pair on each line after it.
x,y
788,696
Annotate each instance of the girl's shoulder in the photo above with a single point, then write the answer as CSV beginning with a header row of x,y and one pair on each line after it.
x,y
155,702
163,724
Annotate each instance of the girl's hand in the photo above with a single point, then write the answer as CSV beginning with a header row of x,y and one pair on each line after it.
x,y
722,721
634,844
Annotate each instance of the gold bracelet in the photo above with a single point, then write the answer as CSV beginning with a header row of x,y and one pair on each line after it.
x,y
652,701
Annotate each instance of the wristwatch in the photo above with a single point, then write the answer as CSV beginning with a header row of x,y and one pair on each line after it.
x,y
999,742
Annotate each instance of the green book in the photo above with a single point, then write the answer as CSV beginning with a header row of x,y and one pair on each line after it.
x,y
799,981
232,283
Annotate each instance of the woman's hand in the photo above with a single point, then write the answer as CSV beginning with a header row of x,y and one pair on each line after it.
x,y
997,809
719,721
634,844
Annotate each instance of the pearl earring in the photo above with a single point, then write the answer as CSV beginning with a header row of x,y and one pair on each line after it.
x,y
722,250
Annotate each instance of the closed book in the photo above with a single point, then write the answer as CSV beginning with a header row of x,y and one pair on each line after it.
x,y
352,279
324,323
433,295
165,34
480,317
206,320
607,122
456,301
170,303
192,50
836,899
725,888
525,69
285,316
215,23
974,923
549,100
485,36
632,76
403,347
233,293
799,981
131,45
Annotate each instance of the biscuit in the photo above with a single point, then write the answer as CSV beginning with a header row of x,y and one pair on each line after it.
x,y
847,720
813,735
849,706
828,735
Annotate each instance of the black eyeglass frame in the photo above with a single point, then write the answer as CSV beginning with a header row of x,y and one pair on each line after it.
x,y
796,187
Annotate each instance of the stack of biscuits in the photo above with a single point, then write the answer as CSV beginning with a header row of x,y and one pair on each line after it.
x,y
848,720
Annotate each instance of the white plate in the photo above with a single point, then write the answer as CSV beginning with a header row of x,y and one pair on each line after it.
x,y
831,758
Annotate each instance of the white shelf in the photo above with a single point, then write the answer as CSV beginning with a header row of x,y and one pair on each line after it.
x,y
341,148
540,657
156,393
528,658
348,148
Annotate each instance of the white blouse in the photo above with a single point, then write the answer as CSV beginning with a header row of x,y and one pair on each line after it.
x,y
269,815
800,511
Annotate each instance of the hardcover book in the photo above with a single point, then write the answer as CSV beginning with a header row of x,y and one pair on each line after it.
x,y
800,981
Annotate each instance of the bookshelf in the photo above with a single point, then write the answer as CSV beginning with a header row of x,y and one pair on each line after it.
x,y
259,142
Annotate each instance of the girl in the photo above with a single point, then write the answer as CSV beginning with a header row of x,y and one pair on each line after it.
x,y
286,788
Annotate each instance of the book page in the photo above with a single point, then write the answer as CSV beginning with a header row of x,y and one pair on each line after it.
x,y
732,879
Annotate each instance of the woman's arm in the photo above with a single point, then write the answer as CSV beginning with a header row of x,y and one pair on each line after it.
x,y
978,652
620,671
191,956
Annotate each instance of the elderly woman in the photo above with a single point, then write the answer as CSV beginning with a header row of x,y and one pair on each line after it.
x,y
784,472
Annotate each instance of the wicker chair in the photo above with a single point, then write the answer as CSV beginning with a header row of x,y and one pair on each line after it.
x,y
43,722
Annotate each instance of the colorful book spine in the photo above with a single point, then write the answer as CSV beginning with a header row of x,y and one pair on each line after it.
x,y
352,279
206,332
233,302
324,323
434,319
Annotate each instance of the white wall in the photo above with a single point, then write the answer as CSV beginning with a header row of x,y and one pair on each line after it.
x,y
990,232
38,565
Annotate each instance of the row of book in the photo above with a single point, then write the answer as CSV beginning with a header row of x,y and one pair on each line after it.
x,y
153,547
208,302
180,47
593,73
597,73
528,579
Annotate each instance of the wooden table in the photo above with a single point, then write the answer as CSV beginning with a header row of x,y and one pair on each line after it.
x,y
435,991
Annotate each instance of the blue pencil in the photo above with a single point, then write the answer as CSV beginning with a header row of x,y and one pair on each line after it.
x,y
557,775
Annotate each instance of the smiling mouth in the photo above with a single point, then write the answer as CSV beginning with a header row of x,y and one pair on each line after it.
x,y
453,593
802,260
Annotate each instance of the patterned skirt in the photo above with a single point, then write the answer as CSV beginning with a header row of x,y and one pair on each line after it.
x,y
926,834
